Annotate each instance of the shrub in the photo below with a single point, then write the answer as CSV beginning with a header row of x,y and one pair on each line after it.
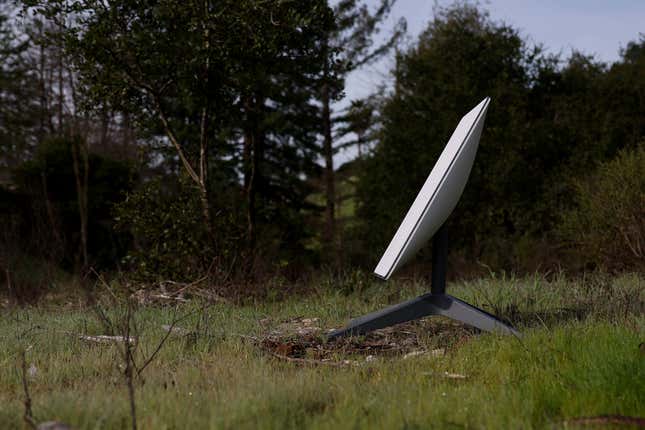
x,y
167,231
607,226
170,240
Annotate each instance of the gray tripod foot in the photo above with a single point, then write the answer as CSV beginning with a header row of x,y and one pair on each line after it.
x,y
427,304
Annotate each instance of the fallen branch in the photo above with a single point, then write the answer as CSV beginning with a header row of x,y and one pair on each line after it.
x,y
161,296
310,361
607,419
446,375
104,339
434,353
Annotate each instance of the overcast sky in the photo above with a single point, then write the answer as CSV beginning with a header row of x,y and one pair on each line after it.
x,y
591,26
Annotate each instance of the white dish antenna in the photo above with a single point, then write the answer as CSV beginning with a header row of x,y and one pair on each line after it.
x,y
439,194
425,218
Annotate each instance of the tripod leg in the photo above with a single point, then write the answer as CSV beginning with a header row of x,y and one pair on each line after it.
x,y
428,304
458,310
396,314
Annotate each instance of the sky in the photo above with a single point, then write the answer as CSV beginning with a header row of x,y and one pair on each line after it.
x,y
591,26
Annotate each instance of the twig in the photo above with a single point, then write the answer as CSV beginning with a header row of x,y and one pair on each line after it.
x,y
159,346
169,332
184,284
28,416
128,350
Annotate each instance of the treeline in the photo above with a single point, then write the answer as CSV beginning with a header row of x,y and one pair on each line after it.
x,y
176,139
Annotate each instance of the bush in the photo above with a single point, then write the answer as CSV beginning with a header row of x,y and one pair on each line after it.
x,y
607,227
170,240
167,230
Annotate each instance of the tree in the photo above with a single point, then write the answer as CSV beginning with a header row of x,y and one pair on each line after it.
x,y
358,121
228,85
624,100
348,46
18,96
461,58
280,63
160,59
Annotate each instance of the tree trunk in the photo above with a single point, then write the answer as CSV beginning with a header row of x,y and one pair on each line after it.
x,y
44,108
328,153
206,211
253,155
81,191
203,175
203,134
50,214
61,93
249,181
199,179
126,137
105,130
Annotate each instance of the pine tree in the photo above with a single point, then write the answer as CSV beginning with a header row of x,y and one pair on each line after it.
x,y
349,46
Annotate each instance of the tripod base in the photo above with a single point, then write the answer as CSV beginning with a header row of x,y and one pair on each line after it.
x,y
427,304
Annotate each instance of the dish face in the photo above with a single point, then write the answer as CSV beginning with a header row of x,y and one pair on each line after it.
x,y
439,194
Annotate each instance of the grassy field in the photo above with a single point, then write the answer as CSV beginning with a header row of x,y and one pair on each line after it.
x,y
264,365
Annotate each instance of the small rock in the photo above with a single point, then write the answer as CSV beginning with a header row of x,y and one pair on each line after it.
x,y
32,371
179,331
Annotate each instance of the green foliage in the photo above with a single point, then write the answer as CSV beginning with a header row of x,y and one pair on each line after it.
x,y
607,225
229,83
170,241
236,95
169,237
432,90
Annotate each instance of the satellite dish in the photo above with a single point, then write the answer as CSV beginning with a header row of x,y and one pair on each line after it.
x,y
425,219
439,195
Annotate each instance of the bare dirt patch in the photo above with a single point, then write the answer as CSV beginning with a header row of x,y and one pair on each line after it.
x,y
302,341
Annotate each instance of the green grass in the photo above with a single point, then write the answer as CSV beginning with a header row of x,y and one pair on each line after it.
x,y
579,357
